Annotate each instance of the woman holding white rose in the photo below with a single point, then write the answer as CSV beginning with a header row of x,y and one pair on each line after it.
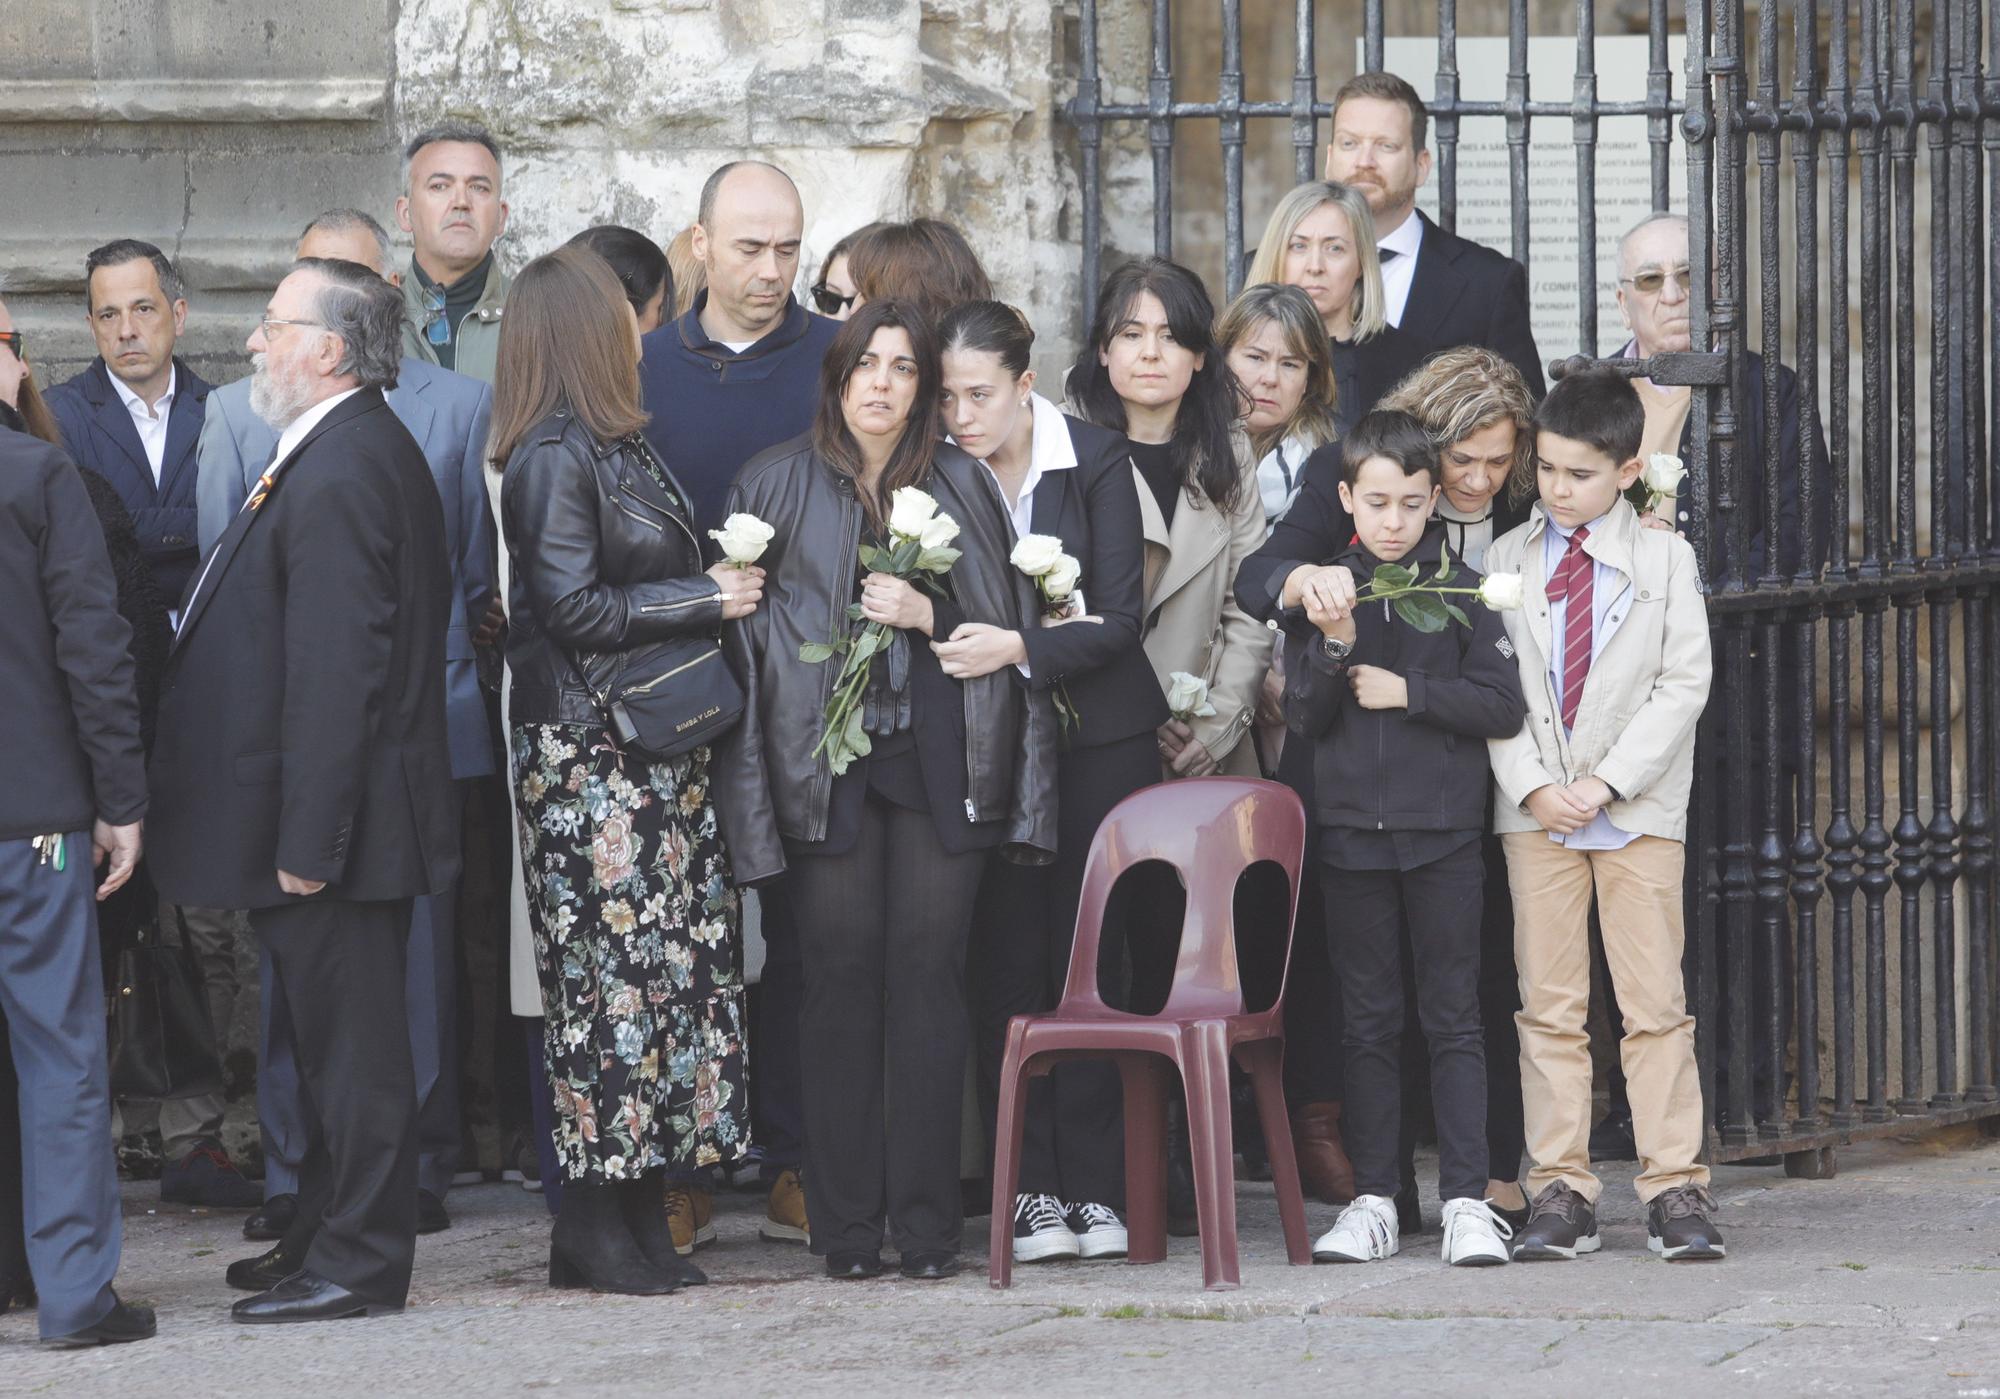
x,y
884,820
1070,490
1153,371
627,880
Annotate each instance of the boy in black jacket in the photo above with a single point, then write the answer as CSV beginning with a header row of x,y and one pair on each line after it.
x,y
1399,717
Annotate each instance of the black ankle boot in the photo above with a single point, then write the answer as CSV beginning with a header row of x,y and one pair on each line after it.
x,y
643,1203
590,1245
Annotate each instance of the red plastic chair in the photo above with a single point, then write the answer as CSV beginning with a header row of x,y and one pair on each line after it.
x,y
1211,829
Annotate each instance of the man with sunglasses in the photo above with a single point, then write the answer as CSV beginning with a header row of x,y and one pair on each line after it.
x,y
452,210
1655,295
737,374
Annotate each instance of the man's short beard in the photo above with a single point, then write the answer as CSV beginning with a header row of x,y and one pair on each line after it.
x,y
272,399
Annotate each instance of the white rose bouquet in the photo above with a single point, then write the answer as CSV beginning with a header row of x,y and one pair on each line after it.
x,y
1426,603
743,538
918,552
1187,697
1056,575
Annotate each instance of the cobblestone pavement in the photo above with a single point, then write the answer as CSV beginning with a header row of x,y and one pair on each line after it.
x,y
1885,1280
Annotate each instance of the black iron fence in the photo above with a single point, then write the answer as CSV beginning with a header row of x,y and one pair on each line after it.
x,y
1818,1024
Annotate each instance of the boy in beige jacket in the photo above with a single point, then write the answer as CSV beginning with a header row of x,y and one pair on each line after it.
x,y
1612,645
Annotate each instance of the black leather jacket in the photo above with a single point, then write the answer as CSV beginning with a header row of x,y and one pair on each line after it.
x,y
768,784
604,560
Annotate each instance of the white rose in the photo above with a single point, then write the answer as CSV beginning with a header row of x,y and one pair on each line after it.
x,y
939,531
1663,474
743,538
1036,554
1501,591
909,511
1187,696
1061,579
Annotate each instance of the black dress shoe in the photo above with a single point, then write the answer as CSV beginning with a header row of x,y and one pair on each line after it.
x,y
854,1266
431,1218
265,1271
206,1176
268,1223
305,1296
930,1267
123,1323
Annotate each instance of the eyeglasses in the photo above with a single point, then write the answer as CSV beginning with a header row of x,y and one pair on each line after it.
x,y
12,340
829,301
265,323
1650,282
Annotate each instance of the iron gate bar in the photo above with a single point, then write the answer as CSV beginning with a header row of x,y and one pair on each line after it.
x,y
1777,900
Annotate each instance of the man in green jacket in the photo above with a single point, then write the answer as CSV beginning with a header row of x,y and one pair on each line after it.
x,y
452,209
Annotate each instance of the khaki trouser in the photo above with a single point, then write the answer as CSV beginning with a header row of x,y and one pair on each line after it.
x,y
1639,905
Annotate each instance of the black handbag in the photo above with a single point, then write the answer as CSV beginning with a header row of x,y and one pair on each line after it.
x,y
162,1045
665,698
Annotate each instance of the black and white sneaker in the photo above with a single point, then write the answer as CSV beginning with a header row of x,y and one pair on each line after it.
x,y
1098,1230
1041,1234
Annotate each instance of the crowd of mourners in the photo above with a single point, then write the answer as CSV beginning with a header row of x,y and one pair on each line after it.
x,y
808,643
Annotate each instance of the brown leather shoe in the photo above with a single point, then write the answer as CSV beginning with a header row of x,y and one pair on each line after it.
x,y
1324,1170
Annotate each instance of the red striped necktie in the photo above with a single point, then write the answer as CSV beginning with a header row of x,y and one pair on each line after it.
x,y
1573,581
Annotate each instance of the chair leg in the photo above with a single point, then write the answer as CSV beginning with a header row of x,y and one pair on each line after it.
x,y
1009,1124
1265,1062
1205,1067
1145,1080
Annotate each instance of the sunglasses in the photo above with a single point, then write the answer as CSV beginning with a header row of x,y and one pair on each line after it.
x,y
1650,282
829,301
12,340
437,329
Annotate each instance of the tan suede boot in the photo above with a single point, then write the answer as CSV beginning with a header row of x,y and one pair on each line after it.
x,y
1325,1173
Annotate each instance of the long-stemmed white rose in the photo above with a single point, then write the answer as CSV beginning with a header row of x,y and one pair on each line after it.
x,y
1056,575
1662,479
743,538
918,552
1187,697
1426,603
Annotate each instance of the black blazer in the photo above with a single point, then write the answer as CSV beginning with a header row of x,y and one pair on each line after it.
x,y
302,724
70,740
1464,293
97,429
1094,509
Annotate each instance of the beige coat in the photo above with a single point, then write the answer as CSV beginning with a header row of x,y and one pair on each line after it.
x,y
1648,684
1192,620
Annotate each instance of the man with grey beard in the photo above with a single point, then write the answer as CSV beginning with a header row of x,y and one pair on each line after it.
x,y
447,414
302,769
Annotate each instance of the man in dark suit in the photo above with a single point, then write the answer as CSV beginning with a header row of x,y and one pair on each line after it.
x,y
1441,290
76,790
447,413
302,769
134,417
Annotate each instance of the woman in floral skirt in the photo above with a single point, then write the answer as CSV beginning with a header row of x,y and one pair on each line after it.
x,y
634,919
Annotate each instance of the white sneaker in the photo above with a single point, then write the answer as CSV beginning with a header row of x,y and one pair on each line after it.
x,y
1364,1233
1040,1232
1099,1234
1474,1236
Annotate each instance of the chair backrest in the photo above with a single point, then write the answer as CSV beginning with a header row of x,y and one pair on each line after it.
x,y
1211,829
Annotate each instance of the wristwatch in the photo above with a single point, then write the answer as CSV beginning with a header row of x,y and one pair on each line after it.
x,y
1335,649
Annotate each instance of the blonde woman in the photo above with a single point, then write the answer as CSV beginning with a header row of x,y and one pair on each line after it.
x,y
1321,239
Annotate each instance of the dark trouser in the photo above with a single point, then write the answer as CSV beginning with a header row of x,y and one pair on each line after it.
x,y
1073,1143
1365,910
52,993
13,1236
1499,999
430,993
882,936
337,968
777,1107
1314,1063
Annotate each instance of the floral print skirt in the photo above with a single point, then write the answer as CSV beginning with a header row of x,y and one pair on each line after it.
x,y
636,942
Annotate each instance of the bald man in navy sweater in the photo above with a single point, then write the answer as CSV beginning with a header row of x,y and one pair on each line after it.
x,y
737,374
